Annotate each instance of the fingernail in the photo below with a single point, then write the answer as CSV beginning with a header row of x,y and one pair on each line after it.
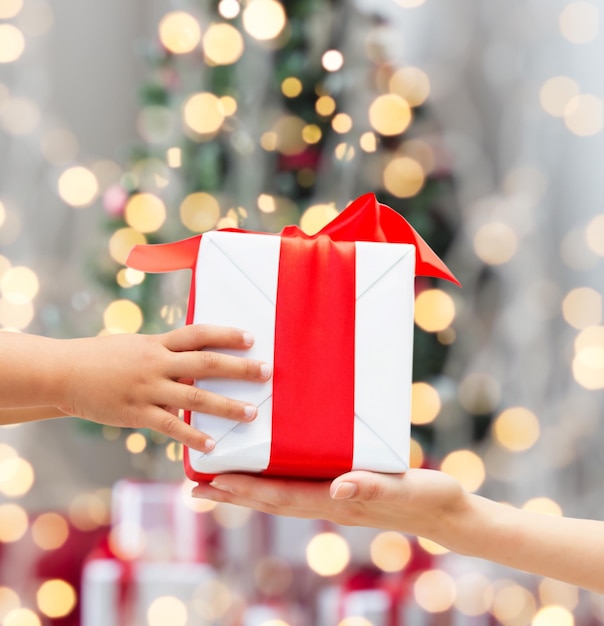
x,y
209,445
343,491
220,486
265,370
250,411
248,338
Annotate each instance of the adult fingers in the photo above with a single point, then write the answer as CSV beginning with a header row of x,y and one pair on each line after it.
x,y
366,486
198,336
205,364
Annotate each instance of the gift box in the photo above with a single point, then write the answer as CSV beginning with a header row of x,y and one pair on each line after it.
x,y
333,315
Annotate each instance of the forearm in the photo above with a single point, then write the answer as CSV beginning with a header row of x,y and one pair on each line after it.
x,y
567,549
33,370
29,414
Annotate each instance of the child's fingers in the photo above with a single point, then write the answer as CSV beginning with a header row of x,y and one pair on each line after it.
x,y
173,427
198,336
206,364
191,398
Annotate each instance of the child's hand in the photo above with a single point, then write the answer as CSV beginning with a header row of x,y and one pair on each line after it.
x,y
141,381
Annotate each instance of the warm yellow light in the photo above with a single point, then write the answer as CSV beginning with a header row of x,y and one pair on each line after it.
x,y
167,610
421,151
268,140
291,87
88,511
389,114
17,316
212,599
316,217
594,233
56,598
368,142
2,219
556,93
174,451
553,616
12,43
434,591
311,133
50,531
19,285
9,601
13,522
327,554
411,84
465,466
122,241
355,621
174,157
136,443
410,4
556,592
199,212
341,123
145,212
123,316
416,454
127,277
332,60
584,115
513,604
288,130
223,44
580,22
16,477
434,310
495,243
344,152
264,19
78,186
229,105
179,32
403,177
543,506
516,429
229,8
474,594
325,106
10,8
582,307
425,403
431,547
231,515
588,367
203,113
479,393
390,551
21,617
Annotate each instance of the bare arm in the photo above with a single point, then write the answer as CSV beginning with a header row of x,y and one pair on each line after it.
x,y
431,504
132,381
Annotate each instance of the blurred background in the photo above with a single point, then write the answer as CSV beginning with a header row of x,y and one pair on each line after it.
x,y
150,121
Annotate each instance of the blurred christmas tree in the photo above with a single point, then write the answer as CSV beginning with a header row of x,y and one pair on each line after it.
x,y
263,114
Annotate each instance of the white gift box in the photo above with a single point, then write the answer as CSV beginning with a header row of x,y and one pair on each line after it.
x,y
236,281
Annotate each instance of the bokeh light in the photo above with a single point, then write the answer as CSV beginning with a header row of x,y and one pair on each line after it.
x,y
584,115
179,32
556,93
9,601
594,234
145,212
327,554
88,511
341,123
557,592
10,8
264,19
136,443
229,8
582,307
495,243
403,177
203,113
122,241
543,506
16,477
553,616
434,310
513,604
325,105
474,594
434,590
13,522
12,43
291,87
222,44
212,599
466,467
56,598
425,403
19,285
199,212
516,429
390,551
411,84
431,547
289,131
389,114
49,531
416,454
316,217
580,22
332,60
78,186
21,617
20,116
167,610
123,316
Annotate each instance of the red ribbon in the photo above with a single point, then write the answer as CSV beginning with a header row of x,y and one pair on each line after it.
x,y
310,353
